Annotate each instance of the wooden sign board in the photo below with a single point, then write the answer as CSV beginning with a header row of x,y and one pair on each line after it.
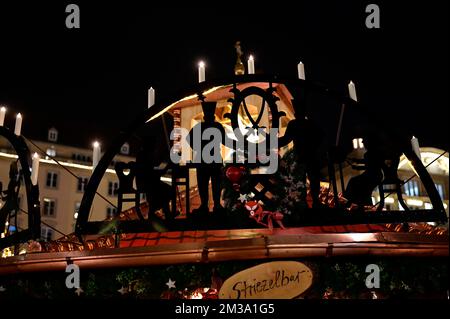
x,y
273,280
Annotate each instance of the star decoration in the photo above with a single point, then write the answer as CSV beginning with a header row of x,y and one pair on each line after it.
x,y
242,197
123,290
79,291
170,283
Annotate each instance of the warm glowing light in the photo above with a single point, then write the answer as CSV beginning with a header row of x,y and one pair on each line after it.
x,y
18,127
66,164
187,98
196,295
414,202
361,236
96,144
2,115
360,142
201,64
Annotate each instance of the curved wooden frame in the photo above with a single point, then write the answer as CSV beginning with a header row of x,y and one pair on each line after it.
x,y
83,226
32,192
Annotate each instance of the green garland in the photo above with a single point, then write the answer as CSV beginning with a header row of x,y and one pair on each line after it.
x,y
400,278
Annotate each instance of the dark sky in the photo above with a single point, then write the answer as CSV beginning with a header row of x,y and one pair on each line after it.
x,y
90,82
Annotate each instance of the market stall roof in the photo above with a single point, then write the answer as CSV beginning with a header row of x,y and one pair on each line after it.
x,y
154,248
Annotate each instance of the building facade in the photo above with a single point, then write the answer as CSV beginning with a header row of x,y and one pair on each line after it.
x,y
64,172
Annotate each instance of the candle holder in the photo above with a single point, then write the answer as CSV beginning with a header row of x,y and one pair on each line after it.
x,y
328,208
10,196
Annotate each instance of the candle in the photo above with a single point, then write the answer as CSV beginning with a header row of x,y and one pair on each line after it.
x,y
18,127
151,97
352,91
96,154
201,72
35,169
251,65
2,115
415,146
301,71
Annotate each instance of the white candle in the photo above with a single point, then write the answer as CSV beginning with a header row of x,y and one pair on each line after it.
x,y
2,115
201,72
18,127
35,169
352,91
151,97
96,154
301,71
415,146
251,65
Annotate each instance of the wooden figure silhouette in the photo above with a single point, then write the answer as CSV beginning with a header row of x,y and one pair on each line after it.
x,y
10,196
150,166
207,171
381,161
306,136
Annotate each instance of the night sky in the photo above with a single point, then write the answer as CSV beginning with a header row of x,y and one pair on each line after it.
x,y
92,81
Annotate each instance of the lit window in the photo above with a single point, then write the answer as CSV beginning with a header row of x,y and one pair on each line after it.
x,y
49,207
112,188
53,135
411,188
82,183
110,212
440,189
358,143
52,180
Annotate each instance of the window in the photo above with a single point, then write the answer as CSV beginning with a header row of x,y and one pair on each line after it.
x,y
49,207
82,183
77,208
440,189
125,149
81,157
46,233
110,212
358,143
411,188
112,188
52,179
53,135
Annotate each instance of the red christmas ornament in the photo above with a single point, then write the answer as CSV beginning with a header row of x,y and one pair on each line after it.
x,y
234,174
